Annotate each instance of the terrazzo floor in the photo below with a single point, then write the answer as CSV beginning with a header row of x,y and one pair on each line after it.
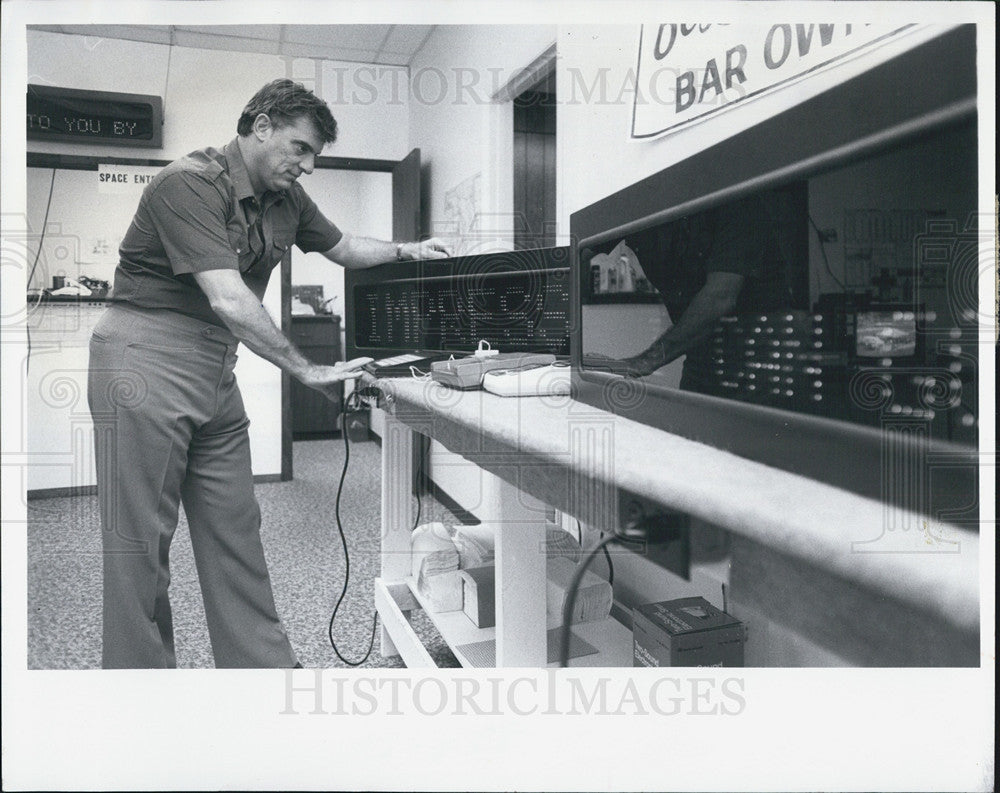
x,y
304,556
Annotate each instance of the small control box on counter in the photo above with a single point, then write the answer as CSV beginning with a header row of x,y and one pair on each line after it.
x,y
467,373
685,632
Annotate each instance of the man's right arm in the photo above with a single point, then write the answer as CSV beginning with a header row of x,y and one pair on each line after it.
x,y
246,318
715,299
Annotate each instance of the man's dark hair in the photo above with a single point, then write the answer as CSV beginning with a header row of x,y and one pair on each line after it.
x,y
285,101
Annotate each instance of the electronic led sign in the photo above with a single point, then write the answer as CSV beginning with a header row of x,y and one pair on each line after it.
x,y
99,117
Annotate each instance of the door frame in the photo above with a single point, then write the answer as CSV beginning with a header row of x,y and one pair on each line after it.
x,y
406,225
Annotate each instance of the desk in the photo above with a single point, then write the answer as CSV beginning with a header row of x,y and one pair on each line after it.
x,y
813,558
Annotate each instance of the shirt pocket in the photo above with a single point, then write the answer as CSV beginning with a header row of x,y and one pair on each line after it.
x,y
240,244
280,245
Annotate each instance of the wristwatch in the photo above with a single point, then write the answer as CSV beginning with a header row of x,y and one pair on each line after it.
x,y
399,251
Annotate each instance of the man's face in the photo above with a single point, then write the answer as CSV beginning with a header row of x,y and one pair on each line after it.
x,y
287,151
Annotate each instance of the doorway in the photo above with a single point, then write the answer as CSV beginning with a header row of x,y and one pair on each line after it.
x,y
535,162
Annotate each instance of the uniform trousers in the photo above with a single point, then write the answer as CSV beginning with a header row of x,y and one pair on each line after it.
x,y
170,428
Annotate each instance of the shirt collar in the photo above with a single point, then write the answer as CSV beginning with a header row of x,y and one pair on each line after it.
x,y
240,176
238,170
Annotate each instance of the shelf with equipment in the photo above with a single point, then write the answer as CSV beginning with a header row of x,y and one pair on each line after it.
x,y
611,640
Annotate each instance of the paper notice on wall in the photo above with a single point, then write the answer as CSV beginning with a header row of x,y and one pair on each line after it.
x,y
119,179
101,250
462,211
690,72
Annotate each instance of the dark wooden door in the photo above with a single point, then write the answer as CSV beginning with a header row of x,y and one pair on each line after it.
x,y
406,219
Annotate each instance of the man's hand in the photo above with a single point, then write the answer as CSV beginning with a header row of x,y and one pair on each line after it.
x,y
325,378
648,361
357,252
715,299
433,248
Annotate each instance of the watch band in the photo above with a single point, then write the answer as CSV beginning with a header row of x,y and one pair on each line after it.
x,y
399,251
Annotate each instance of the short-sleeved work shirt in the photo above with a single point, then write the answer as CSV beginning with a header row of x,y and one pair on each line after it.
x,y
199,213
739,238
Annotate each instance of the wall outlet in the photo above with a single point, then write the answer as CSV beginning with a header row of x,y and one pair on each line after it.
x,y
675,553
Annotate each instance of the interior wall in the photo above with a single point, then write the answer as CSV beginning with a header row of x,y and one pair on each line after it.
x,y
596,86
204,91
466,140
85,222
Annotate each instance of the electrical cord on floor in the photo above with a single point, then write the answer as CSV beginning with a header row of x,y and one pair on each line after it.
x,y
574,585
352,404
352,399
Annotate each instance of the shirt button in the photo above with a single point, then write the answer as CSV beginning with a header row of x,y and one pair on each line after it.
x,y
208,332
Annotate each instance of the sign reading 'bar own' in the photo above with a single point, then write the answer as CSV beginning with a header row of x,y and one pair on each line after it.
x,y
687,72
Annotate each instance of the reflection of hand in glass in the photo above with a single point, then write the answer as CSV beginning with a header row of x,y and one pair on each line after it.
x,y
649,360
716,299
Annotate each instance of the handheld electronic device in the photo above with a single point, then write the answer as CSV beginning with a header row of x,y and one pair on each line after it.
x,y
468,373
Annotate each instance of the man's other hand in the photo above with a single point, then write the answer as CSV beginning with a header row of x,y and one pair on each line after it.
x,y
646,362
434,248
325,378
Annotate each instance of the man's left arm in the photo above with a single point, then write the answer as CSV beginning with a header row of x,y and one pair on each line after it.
x,y
359,252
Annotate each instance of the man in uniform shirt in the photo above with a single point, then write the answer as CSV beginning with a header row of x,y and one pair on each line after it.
x,y
169,419
722,261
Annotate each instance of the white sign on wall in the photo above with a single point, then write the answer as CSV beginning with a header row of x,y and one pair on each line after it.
x,y
688,72
112,178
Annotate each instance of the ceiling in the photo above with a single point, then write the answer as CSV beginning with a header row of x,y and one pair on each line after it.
x,y
390,45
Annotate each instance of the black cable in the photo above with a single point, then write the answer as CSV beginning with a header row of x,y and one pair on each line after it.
x,y
607,556
343,539
352,404
574,585
45,223
34,266
611,567
166,77
419,479
826,261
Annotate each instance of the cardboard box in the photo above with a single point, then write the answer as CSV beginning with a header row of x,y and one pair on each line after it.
x,y
478,586
593,597
685,632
